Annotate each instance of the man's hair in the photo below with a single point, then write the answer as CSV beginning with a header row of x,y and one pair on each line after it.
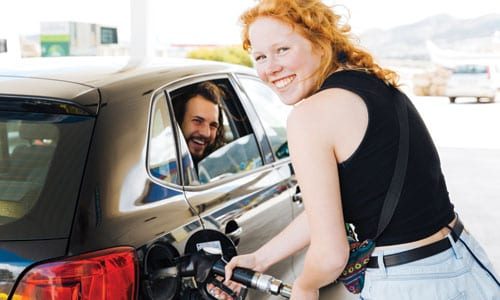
x,y
212,93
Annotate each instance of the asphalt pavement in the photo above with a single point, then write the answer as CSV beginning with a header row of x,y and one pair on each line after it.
x,y
466,135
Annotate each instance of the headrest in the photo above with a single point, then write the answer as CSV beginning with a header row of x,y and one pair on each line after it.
x,y
38,131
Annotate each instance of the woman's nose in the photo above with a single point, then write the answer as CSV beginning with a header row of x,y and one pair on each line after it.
x,y
273,66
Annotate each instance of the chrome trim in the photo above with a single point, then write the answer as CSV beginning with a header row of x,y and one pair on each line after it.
x,y
195,78
263,282
284,161
156,94
235,176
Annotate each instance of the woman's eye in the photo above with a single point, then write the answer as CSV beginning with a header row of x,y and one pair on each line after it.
x,y
259,57
282,50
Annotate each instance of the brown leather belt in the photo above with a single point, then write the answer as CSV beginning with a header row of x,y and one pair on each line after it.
x,y
420,252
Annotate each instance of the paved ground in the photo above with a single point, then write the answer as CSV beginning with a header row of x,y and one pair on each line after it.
x,y
467,137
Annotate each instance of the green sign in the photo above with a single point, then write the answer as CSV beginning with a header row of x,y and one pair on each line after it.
x,y
55,44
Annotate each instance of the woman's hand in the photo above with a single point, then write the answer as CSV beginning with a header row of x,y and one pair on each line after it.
x,y
248,261
300,292
221,295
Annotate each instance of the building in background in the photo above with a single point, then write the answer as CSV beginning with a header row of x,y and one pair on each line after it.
x,y
75,38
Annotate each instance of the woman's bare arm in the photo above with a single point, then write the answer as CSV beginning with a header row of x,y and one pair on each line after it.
x,y
322,130
289,241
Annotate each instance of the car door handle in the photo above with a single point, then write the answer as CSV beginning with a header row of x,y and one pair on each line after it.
x,y
297,198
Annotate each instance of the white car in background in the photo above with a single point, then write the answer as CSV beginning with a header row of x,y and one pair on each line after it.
x,y
473,80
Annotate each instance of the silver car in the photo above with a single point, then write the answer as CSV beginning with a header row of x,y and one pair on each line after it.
x,y
472,80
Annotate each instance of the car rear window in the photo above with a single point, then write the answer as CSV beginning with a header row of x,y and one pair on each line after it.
x,y
27,150
42,157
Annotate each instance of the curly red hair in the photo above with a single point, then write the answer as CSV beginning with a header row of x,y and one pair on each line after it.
x,y
319,24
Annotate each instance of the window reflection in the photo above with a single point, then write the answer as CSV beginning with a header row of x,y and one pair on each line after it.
x,y
237,156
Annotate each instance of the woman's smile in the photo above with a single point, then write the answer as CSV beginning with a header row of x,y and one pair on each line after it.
x,y
283,82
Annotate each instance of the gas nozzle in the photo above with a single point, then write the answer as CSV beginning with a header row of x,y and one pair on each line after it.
x,y
250,278
255,280
207,263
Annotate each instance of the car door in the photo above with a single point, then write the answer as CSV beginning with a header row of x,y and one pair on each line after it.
x,y
273,114
235,189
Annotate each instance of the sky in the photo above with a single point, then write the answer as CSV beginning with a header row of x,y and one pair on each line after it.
x,y
216,21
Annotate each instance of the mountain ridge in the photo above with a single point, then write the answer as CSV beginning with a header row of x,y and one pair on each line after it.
x,y
408,41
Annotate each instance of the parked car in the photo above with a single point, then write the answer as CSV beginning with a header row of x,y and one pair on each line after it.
x,y
97,186
473,80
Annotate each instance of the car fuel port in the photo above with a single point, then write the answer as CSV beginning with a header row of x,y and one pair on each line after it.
x,y
159,256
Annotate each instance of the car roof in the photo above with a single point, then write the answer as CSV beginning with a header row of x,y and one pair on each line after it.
x,y
82,79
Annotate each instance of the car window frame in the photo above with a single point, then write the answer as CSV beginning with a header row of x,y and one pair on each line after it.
x,y
161,95
270,157
259,81
253,122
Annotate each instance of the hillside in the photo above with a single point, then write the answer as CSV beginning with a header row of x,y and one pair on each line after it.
x,y
408,41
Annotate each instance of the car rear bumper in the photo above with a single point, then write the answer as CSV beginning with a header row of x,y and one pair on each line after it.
x,y
470,92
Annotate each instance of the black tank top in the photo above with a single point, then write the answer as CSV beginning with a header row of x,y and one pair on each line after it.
x,y
424,206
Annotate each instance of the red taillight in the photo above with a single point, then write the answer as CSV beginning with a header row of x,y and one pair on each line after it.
x,y
105,274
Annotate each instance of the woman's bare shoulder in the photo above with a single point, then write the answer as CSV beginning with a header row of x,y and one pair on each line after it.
x,y
327,110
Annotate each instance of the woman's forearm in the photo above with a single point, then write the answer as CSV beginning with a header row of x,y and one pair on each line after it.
x,y
292,239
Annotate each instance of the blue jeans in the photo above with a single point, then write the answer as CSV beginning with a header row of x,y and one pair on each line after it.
x,y
450,275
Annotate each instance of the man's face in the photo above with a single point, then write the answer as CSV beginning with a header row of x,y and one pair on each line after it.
x,y
199,125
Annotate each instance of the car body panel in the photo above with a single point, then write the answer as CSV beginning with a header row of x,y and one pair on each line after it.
x,y
83,96
254,209
119,175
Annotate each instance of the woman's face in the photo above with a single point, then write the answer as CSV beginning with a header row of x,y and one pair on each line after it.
x,y
284,59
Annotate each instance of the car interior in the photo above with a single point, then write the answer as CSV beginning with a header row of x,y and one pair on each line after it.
x,y
27,150
239,151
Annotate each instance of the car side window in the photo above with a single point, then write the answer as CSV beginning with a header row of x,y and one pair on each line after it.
x,y
272,113
218,153
162,159
237,156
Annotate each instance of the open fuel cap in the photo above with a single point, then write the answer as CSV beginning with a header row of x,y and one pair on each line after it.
x,y
211,241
